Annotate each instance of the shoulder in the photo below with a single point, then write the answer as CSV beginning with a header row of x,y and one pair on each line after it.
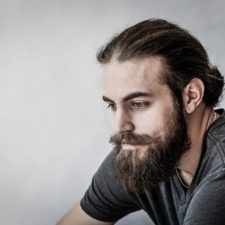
x,y
212,161
217,128
208,204
106,198
215,139
210,180
105,177
108,163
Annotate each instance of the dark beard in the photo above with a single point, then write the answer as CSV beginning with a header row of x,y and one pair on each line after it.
x,y
160,159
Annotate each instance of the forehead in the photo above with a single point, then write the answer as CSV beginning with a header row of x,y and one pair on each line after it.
x,y
122,78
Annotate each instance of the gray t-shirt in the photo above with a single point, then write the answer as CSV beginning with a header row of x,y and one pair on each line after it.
x,y
203,203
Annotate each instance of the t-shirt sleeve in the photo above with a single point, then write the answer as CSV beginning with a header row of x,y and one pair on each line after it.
x,y
106,198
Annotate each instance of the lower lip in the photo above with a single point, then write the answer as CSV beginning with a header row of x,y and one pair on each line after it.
x,y
128,147
133,147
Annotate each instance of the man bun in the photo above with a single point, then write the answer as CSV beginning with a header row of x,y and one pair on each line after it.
x,y
215,84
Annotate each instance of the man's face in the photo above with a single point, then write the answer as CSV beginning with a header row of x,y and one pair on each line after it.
x,y
150,130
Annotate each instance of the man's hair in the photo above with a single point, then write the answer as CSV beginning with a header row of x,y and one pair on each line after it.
x,y
184,56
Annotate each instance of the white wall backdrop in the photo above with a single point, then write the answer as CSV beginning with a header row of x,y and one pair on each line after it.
x,y
54,128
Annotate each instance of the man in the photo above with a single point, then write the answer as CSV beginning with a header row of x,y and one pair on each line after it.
x,y
169,155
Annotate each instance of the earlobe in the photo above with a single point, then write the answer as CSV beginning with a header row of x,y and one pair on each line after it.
x,y
193,94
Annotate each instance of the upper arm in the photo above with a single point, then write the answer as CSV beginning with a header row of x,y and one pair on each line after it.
x,y
76,216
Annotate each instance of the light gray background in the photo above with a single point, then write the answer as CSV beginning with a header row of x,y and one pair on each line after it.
x,y
54,128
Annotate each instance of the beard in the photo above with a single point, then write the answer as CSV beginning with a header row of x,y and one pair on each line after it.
x,y
159,161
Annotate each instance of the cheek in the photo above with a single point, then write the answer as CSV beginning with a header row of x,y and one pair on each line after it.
x,y
149,122
153,121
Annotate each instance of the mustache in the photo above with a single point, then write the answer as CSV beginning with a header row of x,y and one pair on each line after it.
x,y
131,138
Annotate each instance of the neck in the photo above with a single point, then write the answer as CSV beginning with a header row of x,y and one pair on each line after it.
x,y
197,125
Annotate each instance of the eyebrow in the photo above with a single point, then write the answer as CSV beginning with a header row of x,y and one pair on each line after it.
x,y
130,96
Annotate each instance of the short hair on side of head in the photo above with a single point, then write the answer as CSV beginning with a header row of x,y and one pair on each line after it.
x,y
183,54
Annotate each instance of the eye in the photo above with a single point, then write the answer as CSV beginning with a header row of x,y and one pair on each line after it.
x,y
139,105
111,106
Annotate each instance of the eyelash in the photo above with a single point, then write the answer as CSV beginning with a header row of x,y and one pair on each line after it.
x,y
133,105
111,106
139,105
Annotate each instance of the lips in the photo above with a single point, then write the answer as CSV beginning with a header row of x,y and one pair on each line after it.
x,y
127,146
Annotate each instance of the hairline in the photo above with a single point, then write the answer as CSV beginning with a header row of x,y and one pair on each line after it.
x,y
163,74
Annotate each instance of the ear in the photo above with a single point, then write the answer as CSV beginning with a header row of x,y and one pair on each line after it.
x,y
193,94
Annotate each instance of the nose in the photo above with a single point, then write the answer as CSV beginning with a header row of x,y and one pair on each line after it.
x,y
123,122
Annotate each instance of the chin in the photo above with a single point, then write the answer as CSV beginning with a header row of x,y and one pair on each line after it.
x,y
141,152
138,151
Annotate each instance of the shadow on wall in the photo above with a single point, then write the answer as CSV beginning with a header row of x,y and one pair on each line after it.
x,y
136,218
